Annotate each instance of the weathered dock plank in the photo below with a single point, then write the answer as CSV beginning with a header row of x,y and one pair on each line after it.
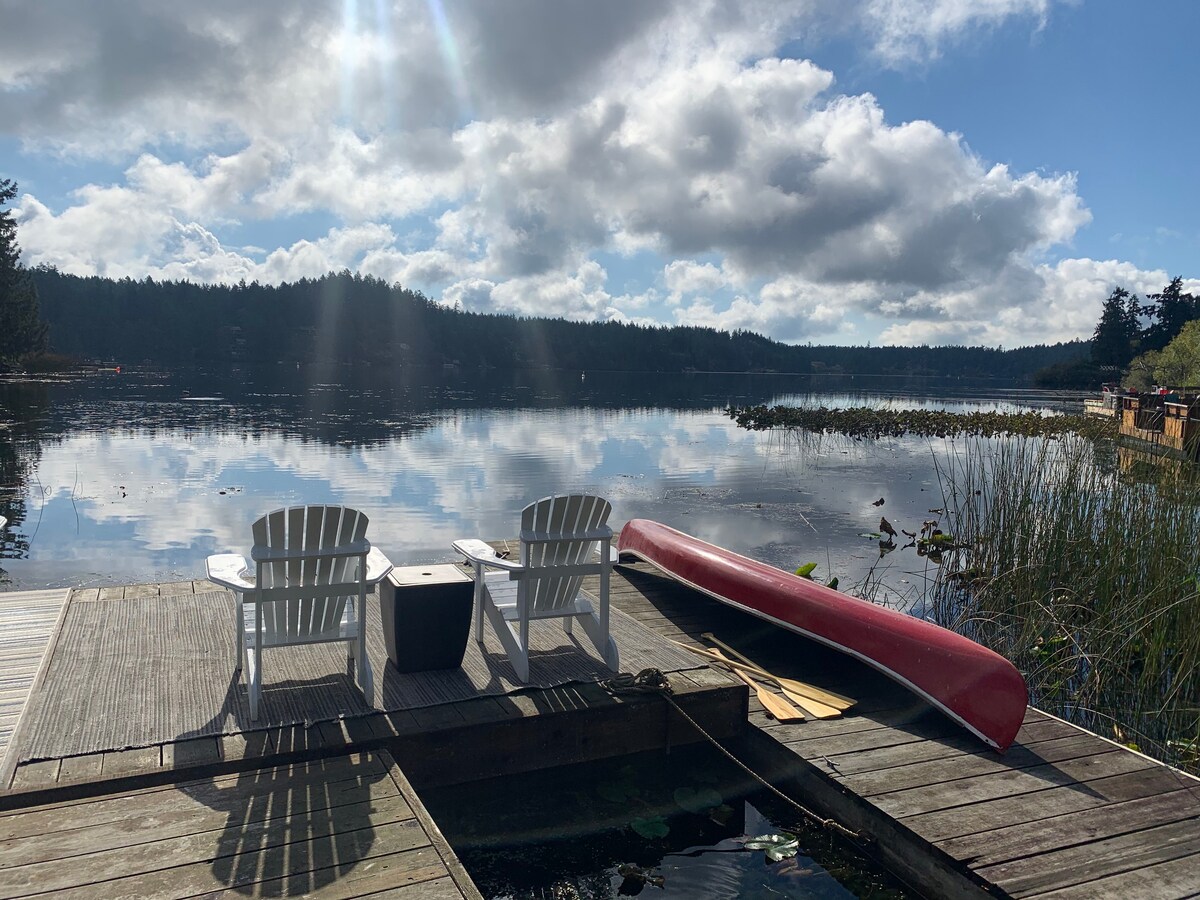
x,y
1082,863
1174,878
1063,814
27,623
345,826
1011,842
1026,823
1050,801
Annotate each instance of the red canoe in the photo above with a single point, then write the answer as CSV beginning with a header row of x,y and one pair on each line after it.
x,y
977,688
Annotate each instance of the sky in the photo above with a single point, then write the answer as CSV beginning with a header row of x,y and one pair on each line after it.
x,y
977,172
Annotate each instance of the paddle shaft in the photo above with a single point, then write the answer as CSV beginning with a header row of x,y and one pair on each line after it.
x,y
808,705
837,701
828,697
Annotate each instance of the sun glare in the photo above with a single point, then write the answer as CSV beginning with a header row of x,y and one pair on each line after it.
x,y
451,58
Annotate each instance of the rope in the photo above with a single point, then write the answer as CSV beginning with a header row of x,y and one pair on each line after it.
x,y
653,681
647,681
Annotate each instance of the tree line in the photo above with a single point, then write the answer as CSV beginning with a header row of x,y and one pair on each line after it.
x,y
1153,342
351,318
22,330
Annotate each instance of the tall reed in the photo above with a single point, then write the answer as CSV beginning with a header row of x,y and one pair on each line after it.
x,y
1086,579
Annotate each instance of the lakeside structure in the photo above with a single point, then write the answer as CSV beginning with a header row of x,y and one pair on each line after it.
x,y
96,803
1166,423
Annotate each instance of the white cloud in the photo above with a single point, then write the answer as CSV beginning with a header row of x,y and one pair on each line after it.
x,y
528,138
1041,304
911,31
684,276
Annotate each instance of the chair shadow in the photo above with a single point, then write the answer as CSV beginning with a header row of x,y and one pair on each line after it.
x,y
290,828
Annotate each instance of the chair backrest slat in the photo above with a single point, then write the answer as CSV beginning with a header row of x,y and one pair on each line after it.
x,y
305,529
566,516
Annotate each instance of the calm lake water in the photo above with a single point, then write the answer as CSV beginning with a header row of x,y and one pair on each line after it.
x,y
137,476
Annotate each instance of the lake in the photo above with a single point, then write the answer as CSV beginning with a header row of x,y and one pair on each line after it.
x,y
136,476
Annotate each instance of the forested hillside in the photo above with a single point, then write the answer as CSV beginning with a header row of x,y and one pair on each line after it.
x,y
354,318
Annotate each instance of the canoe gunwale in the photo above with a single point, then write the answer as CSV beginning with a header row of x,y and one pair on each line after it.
x,y
647,555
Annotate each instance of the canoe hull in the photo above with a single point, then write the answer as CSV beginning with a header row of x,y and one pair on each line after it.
x,y
973,685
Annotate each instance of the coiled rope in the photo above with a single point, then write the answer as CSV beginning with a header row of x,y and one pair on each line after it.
x,y
653,681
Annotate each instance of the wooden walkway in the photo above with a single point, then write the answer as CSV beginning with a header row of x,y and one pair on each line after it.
x,y
27,620
1063,814
343,826
320,810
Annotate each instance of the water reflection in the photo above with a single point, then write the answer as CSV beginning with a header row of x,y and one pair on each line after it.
x,y
137,477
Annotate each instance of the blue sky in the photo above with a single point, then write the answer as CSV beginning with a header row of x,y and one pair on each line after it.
x,y
891,171
1102,90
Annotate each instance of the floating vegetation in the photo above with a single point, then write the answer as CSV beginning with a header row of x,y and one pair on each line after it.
x,y
777,846
866,422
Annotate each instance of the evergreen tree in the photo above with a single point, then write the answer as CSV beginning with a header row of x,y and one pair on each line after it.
x,y
1115,338
1169,312
22,330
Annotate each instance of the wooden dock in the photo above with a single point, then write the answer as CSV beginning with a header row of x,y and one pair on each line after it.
x,y
347,825
1064,813
27,620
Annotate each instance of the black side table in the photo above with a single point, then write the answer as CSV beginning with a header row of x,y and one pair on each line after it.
x,y
426,613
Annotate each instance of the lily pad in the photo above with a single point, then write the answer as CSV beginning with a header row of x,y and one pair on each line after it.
x,y
655,827
697,800
777,846
806,570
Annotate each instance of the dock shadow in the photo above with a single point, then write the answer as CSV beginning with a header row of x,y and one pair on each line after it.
x,y
290,828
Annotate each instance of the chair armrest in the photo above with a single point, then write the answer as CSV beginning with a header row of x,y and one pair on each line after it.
x,y
481,554
230,570
378,565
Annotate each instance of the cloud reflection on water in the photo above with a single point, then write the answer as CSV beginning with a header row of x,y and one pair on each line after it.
x,y
115,502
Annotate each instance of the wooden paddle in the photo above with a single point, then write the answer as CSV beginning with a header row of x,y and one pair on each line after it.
x,y
808,705
779,709
838,701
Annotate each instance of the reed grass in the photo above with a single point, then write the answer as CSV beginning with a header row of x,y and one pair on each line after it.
x,y
1085,579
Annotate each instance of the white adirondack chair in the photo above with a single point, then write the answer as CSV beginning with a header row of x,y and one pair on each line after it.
x,y
559,536
312,568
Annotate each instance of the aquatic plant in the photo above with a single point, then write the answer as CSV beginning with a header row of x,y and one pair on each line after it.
x,y
867,422
777,846
1086,579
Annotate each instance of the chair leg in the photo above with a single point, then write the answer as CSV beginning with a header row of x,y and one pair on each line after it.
x,y
478,602
366,678
254,684
239,631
